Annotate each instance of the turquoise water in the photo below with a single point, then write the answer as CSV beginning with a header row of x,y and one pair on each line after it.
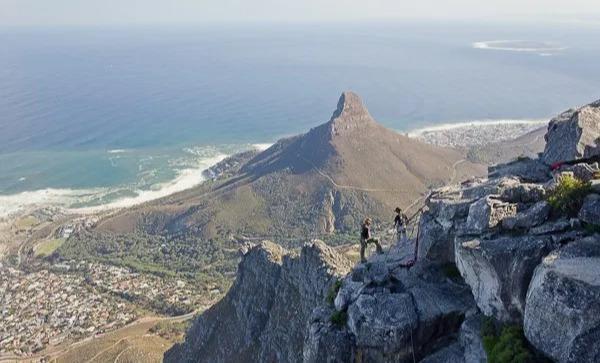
x,y
114,112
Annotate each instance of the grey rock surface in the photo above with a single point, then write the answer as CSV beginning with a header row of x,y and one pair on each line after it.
x,y
499,271
326,342
487,213
551,227
595,186
562,315
450,354
437,226
265,315
383,321
574,134
582,171
436,242
590,211
533,216
529,170
471,341
517,192
348,293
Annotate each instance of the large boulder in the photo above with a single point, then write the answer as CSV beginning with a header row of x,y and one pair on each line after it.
x,y
554,227
574,134
348,293
326,342
582,171
517,192
533,216
562,314
440,307
468,348
529,170
499,271
437,225
435,241
487,213
590,211
413,313
384,323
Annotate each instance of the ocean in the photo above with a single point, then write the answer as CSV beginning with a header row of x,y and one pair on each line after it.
x,y
96,117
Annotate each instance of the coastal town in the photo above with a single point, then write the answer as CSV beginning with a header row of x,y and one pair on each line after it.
x,y
70,301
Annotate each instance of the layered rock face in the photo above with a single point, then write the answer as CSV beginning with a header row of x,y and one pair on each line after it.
x,y
265,315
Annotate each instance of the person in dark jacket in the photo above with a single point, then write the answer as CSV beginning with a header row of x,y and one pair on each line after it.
x,y
400,224
366,238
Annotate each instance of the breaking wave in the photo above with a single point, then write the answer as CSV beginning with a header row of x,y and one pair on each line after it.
x,y
105,198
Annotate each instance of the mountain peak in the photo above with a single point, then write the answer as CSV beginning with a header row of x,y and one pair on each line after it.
x,y
351,113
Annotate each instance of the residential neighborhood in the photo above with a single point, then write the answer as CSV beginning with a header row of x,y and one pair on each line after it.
x,y
70,301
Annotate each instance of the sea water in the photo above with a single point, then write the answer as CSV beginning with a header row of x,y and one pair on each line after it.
x,y
91,117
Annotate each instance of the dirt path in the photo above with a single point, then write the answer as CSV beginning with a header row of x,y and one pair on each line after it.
x,y
455,171
120,354
108,349
350,187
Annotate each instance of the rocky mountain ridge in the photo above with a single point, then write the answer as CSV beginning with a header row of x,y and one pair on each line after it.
x,y
262,319
312,184
519,258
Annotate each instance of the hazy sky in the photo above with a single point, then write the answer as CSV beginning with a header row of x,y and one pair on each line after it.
x,y
52,12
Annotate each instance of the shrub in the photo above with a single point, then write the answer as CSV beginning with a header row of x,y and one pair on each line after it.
x,y
506,343
172,331
567,196
339,318
333,291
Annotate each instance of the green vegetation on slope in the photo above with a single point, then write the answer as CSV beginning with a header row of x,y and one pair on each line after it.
x,y
173,331
567,196
46,248
339,318
210,262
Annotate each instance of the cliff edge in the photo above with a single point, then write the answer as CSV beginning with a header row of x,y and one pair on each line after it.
x,y
520,249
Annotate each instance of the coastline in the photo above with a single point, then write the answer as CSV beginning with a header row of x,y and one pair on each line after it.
x,y
475,133
455,134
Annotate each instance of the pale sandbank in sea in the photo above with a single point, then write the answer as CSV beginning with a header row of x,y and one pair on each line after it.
x,y
544,49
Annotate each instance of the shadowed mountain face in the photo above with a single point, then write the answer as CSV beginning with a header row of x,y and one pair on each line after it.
x,y
325,180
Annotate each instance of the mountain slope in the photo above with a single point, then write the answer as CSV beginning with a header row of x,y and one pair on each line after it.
x,y
325,180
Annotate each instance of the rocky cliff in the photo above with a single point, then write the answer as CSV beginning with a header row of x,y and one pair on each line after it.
x,y
264,316
519,249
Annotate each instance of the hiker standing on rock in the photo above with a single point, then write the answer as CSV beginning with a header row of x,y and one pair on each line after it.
x,y
400,224
366,238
